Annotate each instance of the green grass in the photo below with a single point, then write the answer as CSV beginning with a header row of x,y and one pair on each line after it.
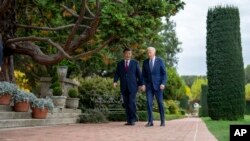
x,y
220,128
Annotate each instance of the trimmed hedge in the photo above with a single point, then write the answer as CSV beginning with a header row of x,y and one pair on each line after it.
x,y
204,109
225,70
247,112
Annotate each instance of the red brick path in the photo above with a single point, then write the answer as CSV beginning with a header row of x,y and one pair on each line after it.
x,y
188,129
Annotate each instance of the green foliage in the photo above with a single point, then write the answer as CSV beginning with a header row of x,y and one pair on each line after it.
x,y
136,24
57,91
225,72
196,88
169,45
73,93
173,106
247,91
93,116
98,92
247,110
175,88
247,74
221,129
189,79
55,84
117,116
184,103
141,101
203,102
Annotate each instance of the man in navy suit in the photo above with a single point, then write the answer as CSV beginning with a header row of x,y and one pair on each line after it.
x,y
128,71
154,78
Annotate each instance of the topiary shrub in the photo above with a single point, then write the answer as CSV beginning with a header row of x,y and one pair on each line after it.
x,y
57,91
73,93
225,69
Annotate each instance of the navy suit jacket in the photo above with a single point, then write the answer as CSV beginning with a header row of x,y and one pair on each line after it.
x,y
157,77
128,79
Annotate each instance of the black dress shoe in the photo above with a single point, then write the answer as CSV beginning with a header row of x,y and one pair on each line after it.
x,y
162,124
128,123
149,124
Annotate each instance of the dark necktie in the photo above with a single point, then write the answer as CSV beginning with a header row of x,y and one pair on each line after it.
x,y
126,65
151,65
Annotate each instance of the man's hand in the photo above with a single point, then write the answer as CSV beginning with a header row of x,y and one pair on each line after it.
x,y
162,87
143,88
114,84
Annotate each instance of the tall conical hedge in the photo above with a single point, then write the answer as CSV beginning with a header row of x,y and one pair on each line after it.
x,y
203,101
225,70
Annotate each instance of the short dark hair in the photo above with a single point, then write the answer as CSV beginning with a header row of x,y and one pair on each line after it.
x,y
126,49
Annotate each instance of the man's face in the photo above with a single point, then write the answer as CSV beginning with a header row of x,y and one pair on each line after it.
x,y
127,55
151,53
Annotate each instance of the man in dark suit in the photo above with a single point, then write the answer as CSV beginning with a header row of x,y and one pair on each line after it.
x,y
154,78
128,71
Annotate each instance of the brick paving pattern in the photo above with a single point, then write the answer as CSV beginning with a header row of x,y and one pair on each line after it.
x,y
187,129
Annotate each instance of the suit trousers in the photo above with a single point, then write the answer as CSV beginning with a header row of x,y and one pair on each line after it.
x,y
129,100
150,93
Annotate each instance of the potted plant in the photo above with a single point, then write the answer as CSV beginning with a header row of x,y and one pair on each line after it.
x,y
22,101
58,99
72,101
7,90
40,107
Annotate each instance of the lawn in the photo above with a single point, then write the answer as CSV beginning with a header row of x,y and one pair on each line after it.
x,y
220,128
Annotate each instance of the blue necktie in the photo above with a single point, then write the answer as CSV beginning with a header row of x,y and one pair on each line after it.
x,y
151,65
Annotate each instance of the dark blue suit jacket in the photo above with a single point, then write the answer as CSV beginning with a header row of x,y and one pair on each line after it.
x,y
130,79
157,77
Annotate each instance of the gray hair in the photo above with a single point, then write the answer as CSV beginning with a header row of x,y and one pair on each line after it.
x,y
151,48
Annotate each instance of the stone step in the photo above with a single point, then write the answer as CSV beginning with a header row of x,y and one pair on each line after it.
x,y
15,115
27,115
11,123
66,110
63,115
5,108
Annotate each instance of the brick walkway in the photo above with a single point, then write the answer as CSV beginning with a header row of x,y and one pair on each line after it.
x,y
188,129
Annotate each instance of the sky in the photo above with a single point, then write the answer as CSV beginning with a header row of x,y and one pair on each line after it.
x,y
191,31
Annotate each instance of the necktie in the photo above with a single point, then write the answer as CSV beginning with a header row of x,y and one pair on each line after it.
x,y
126,65
151,65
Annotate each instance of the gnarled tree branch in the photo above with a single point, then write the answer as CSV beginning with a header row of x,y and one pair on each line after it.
x,y
22,39
50,28
95,50
32,50
73,13
74,29
88,33
25,45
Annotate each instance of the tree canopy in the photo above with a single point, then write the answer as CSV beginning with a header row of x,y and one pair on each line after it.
x,y
45,28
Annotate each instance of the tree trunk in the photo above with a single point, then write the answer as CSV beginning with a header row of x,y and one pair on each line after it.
x,y
7,31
